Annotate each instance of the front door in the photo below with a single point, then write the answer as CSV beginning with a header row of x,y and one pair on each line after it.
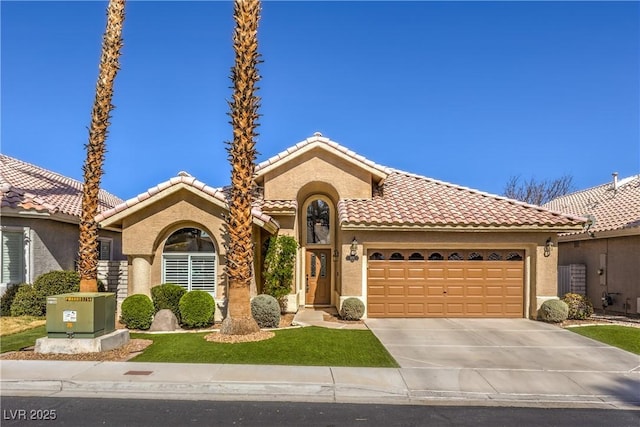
x,y
318,277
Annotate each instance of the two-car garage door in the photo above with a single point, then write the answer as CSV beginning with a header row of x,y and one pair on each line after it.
x,y
445,283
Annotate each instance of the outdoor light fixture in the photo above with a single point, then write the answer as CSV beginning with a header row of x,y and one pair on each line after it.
x,y
353,250
547,247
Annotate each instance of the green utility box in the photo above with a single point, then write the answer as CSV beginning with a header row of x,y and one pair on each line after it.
x,y
81,314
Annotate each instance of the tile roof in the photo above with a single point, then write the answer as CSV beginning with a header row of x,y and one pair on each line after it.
x,y
184,179
612,209
28,187
411,200
318,140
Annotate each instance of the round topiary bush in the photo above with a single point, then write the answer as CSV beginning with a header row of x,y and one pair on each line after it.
x,y
8,297
167,296
28,302
266,311
352,309
137,312
553,311
197,309
580,307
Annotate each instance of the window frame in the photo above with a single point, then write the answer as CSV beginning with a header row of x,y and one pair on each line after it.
x,y
26,257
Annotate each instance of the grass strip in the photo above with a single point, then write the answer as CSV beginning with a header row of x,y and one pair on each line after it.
x,y
624,337
17,341
311,346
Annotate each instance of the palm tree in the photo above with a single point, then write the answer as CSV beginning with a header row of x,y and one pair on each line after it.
x,y
109,66
242,154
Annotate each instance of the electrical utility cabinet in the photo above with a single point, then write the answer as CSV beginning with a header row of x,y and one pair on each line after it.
x,y
81,314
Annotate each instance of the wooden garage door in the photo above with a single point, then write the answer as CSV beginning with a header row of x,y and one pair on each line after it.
x,y
445,283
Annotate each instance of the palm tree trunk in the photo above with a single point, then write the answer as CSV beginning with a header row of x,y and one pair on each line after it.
x,y
109,66
242,154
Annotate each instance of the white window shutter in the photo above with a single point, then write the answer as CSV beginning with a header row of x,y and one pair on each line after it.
x,y
12,257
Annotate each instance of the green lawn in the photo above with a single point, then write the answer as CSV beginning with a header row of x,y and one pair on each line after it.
x,y
22,339
624,337
312,346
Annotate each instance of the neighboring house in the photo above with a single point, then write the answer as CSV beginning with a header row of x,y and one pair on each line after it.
x,y
407,245
40,212
610,246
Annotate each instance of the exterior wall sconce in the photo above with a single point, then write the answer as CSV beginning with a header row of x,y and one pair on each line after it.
x,y
547,247
353,250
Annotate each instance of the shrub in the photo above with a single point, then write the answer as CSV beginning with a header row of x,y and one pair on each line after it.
x,y
279,262
57,282
579,306
28,302
265,309
167,296
553,311
137,312
7,299
352,309
197,309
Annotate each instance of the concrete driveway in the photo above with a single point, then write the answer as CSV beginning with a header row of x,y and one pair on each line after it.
x,y
507,357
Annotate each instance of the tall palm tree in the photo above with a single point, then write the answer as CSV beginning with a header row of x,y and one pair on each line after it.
x,y
109,66
242,154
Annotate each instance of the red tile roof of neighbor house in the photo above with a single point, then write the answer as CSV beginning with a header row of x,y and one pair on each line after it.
x,y
31,188
614,206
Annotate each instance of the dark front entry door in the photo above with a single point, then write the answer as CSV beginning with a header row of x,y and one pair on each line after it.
x,y
318,276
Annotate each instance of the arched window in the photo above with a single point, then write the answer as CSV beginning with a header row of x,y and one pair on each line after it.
x,y
435,256
514,256
376,256
475,256
455,256
495,256
189,260
318,222
416,256
396,256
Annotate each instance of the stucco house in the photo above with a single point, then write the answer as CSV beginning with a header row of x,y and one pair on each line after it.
x,y
407,245
609,247
40,212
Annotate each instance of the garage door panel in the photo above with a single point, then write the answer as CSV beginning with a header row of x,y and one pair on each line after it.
x,y
442,288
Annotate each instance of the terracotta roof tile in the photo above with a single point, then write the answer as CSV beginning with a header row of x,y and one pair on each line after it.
x,y
182,178
29,187
612,209
411,200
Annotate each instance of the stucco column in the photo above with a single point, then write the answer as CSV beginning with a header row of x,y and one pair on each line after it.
x,y
140,277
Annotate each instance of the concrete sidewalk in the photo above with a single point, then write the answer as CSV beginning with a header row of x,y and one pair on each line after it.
x,y
316,384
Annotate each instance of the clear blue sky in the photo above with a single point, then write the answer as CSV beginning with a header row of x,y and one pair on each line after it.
x,y
467,92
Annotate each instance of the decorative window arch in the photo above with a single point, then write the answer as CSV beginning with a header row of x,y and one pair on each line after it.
x,y
376,256
318,221
514,256
455,256
436,256
189,260
495,256
416,256
396,256
475,256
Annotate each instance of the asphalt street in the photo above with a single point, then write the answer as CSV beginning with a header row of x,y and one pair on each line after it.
x,y
81,412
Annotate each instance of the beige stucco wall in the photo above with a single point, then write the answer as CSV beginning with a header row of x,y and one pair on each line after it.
x,y
621,270
286,181
146,230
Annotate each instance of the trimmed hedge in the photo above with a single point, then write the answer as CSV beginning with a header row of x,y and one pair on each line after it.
x,y
8,297
167,296
580,307
197,309
28,302
352,309
266,311
553,311
137,312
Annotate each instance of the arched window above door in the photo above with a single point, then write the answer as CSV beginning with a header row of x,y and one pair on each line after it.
x,y
318,220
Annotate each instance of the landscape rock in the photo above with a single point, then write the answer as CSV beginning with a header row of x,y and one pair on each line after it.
x,y
164,320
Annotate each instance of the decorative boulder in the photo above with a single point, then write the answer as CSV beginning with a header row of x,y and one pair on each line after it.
x,y
164,320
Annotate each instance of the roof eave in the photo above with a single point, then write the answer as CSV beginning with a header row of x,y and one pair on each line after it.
x,y
452,227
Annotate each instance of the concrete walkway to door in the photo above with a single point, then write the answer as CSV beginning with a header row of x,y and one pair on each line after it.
x,y
506,358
